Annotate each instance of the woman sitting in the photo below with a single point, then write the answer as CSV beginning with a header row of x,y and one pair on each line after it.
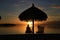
x,y
28,30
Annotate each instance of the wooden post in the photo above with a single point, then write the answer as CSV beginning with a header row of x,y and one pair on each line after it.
x,y
33,27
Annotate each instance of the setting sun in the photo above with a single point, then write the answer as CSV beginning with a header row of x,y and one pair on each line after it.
x,y
30,23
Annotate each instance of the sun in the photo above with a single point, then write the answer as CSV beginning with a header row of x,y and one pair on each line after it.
x,y
30,23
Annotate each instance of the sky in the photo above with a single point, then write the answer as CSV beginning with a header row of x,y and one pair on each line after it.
x,y
11,9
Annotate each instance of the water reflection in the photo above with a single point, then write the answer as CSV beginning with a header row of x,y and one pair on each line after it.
x,y
19,29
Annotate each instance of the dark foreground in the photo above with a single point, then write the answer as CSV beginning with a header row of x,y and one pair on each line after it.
x,y
30,37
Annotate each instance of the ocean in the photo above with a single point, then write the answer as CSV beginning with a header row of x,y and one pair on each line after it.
x,y
20,29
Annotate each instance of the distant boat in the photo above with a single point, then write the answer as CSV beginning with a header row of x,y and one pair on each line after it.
x,y
0,17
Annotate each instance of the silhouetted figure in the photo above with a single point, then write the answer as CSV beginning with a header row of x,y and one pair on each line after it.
x,y
40,29
28,30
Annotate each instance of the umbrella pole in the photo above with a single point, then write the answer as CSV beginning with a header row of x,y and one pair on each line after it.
x,y
33,27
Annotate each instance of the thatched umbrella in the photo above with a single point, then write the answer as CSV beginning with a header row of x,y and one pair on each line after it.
x,y
33,13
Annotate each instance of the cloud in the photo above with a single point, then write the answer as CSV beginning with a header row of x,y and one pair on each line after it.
x,y
23,1
53,24
41,7
15,4
53,18
19,3
55,6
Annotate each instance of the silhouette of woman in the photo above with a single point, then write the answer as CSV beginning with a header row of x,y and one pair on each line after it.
x,y
28,30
